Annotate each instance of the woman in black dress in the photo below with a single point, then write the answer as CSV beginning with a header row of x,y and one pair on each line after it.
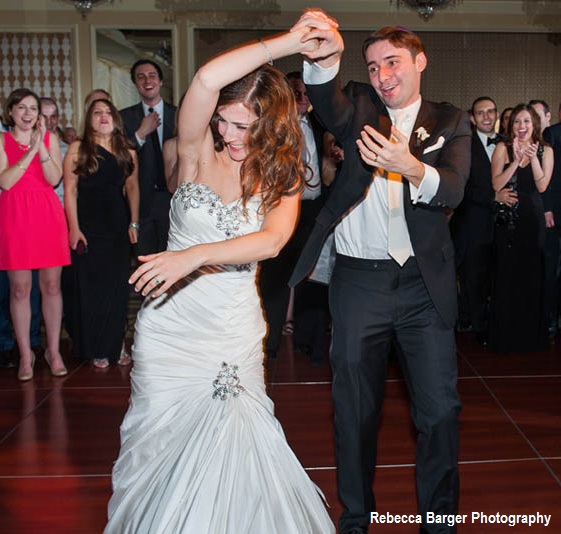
x,y
100,179
524,164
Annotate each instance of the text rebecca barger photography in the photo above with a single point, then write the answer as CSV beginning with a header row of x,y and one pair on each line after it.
x,y
480,518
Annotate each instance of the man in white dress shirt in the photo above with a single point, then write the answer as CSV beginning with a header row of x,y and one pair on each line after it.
x,y
472,224
394,282
148,125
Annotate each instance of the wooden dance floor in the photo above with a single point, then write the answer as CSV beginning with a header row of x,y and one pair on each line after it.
x,y
59,438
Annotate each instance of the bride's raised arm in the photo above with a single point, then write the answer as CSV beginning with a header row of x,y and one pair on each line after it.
x,y
265,160
195,136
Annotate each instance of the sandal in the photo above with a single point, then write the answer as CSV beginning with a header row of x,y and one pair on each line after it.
x,y
124,358
101,363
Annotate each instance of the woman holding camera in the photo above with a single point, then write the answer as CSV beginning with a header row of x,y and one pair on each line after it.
x,y
523,163
32,226
102,220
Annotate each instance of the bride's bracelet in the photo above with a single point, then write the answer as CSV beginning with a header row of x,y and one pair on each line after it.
x,y
267,51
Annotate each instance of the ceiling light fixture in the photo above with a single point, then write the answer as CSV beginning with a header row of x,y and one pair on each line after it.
x,y
425,8
85,6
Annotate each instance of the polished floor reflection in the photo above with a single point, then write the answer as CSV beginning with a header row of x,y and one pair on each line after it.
x,y
60,436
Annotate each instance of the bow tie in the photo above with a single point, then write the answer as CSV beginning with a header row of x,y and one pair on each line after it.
x,y
492,140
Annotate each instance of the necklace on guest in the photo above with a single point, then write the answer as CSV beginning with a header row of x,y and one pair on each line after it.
x,y
21,146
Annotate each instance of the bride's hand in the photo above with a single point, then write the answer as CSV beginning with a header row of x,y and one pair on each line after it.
x,y
319,35
159,272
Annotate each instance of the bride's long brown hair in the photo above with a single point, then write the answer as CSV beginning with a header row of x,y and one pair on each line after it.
x,y
274,166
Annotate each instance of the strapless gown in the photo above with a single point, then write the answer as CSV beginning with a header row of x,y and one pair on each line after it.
x,y
201,450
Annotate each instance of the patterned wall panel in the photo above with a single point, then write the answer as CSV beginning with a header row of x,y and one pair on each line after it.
x,y
41,62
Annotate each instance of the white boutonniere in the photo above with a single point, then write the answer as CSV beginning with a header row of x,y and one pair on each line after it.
x,y
422,134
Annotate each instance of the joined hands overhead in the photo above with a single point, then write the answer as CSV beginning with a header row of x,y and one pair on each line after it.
x,y
321,38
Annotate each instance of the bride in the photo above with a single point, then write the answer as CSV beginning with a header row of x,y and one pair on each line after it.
x,y
201,451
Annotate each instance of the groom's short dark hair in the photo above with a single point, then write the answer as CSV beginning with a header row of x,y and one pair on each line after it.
x,y
398,36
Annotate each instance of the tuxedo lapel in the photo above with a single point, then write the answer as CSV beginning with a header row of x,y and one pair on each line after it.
x,y
416,145
139,114
479,153
385,125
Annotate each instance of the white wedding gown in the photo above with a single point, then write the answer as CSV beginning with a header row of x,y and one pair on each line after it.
x,y
201,451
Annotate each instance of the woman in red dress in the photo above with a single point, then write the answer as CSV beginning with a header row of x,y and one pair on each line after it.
x,y
33,231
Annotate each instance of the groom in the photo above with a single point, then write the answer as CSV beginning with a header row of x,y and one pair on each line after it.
x,y
394,282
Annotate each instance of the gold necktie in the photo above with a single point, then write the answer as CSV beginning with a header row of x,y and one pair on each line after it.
x,y
399,245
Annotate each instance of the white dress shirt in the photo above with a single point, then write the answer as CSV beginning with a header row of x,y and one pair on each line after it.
x,y
363,232
159,109
488,148
313,181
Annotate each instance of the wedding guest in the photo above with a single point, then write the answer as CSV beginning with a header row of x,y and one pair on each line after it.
x,y
504,120
275,272
96,94
170,156
97,170
472,224
148,125
552,207
70,135
551,247
49,110
522,163
68,273
33,231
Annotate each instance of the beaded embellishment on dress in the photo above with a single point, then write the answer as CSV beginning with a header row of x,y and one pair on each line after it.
x,y
227,383
228,217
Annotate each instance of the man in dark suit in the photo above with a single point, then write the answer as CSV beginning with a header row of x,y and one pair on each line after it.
x,y
389,287
149,124
472,224
275,272
552,207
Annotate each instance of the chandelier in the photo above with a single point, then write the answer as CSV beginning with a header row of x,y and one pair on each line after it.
x,y
425,8
85,6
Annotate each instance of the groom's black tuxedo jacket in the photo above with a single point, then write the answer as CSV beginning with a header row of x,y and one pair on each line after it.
x,y
447,148
150,164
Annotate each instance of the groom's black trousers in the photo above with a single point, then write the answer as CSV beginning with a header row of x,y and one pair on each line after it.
x,y
376,305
